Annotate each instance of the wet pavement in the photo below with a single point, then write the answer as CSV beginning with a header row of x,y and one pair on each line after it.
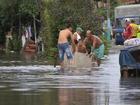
x,y
43,85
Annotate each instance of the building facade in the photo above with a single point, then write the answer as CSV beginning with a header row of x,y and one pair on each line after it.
x,y
129,1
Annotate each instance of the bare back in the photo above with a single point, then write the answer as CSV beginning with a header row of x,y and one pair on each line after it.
x,y
63,36
96,41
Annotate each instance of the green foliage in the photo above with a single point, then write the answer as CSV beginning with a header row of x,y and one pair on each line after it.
x,y
46,30
113,4
10,45
106,44
7,12
78,12
56,13
16,43
28,7
53,54
15,13
54,16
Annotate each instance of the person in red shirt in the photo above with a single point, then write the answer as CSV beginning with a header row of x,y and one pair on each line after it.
x,y
128,31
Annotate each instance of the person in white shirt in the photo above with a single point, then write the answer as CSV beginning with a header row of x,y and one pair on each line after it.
x,y
77,38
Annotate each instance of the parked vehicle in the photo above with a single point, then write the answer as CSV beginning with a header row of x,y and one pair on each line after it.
x,y
129,58
123,13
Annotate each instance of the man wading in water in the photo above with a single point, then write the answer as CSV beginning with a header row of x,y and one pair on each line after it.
x,y
64,46
97,46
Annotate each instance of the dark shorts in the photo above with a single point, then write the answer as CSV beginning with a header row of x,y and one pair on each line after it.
x,y
64,48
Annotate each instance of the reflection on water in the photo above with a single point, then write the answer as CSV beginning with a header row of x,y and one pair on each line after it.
x,y
131,91
28,98
74,97
26,58
43,85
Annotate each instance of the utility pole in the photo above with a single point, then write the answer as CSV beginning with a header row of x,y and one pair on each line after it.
x,y
35,33
108,21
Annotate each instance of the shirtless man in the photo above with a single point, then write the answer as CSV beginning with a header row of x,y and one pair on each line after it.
x,y
63,45
97,46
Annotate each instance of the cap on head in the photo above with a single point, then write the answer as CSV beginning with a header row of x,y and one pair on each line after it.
x,y
127,20
78,29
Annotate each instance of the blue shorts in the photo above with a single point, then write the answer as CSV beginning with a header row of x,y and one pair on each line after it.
x,y
64,48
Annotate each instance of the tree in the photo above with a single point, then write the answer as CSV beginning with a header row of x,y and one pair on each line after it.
x,y
56,13
16,13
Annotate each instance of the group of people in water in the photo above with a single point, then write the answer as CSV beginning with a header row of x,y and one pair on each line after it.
x,y
78,44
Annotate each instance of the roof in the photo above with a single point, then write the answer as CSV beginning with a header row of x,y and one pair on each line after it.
x,y
127,11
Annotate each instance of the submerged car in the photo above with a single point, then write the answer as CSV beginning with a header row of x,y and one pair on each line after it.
x,y
129,60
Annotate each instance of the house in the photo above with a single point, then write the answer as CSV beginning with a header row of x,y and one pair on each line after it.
x,y
129,1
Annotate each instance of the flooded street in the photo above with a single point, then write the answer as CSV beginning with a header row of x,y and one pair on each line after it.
x,y
42,85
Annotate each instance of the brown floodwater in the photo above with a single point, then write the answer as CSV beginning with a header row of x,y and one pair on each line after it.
x,y
42,85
